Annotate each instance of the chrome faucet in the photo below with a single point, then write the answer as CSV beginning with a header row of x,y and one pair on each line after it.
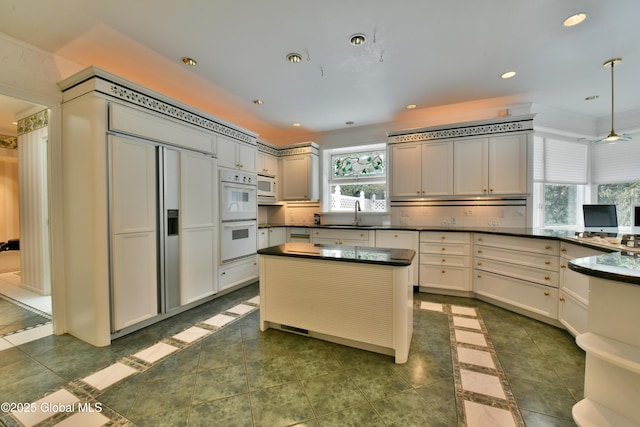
x,y
356,209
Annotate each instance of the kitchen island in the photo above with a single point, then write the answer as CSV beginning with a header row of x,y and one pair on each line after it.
x,y
612,342
351,295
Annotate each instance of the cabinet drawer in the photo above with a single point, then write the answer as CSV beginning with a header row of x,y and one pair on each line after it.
x,y
547,262
341,234
573,314
575,284
444,260
532,297
456,278
397,239
238,272
544,277
444,248
445,236
526,244
569,251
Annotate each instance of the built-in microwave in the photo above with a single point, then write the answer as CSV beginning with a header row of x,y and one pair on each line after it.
x,y
267,187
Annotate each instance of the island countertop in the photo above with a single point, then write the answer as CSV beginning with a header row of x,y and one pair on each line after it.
x,y
359,254
619,266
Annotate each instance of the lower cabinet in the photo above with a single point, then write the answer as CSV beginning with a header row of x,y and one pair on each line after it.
x,y
519,272
399,239
444,262
328,236
238,273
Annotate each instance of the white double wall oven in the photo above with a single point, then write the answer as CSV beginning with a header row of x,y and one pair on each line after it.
x,y
238,215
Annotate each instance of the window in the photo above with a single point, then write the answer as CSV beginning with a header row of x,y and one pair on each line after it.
x,y
624,196
357,174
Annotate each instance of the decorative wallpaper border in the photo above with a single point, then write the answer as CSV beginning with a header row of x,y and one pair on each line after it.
x,y
488,129
34,122
10,142
153,104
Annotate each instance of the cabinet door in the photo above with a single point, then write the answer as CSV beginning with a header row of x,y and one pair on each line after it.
x,y
295,178
247,157
437,169
470,166
227,153
406,170
263,238
277,236
267,164
134,286
198,236
508,164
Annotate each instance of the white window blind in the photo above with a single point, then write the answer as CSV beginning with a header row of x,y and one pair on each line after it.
x,y
560,162
616,163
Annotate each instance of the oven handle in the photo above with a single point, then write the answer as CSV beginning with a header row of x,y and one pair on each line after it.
x,y
238,224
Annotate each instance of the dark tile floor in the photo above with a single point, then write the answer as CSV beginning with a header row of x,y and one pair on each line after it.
x,y
14,318
239,376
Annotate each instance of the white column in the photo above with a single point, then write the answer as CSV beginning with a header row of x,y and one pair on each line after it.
x,y
34,208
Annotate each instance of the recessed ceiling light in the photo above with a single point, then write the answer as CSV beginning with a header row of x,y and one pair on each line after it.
x,y
14,123
189,61
508,74
258,101
411,106
294,58
592,98
574,20
358,39
296,125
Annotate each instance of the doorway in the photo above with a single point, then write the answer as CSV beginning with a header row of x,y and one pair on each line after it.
x,y
25,277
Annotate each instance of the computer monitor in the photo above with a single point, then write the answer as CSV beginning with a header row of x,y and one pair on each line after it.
x,y
600,218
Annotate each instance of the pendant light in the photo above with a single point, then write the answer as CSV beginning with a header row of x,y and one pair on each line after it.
x,y
613,137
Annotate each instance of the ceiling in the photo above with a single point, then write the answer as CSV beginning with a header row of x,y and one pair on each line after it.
x,y
431,53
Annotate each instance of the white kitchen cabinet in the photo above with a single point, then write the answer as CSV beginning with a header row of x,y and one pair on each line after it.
x,y
238,273
277,236
401,239
444,262
573,307
198,227
298,234
236,154
491,166
519,272
299,177
267,164
134,288
424,169
263,238
347,237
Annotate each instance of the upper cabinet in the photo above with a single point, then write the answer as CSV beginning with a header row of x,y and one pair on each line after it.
x,y
484,158
236,155
420,170
267,164
491,166
299,171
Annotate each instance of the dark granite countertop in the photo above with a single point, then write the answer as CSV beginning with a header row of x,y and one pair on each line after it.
x,y
620,266
360,254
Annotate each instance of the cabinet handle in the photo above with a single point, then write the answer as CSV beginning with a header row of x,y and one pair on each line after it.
x,y
423,191
479,239
479,251
479,263
417,192
563,250
361,235
563,266
484,190
546,293
491,190
395,235
443,249
444,237
547,262
546,277
444,260
317,233
443,271
547,247
223,273
479,276
561,299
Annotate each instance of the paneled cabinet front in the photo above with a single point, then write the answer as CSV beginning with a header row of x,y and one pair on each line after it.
x,y
444,261
298,178
419,170
134,287
236,155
